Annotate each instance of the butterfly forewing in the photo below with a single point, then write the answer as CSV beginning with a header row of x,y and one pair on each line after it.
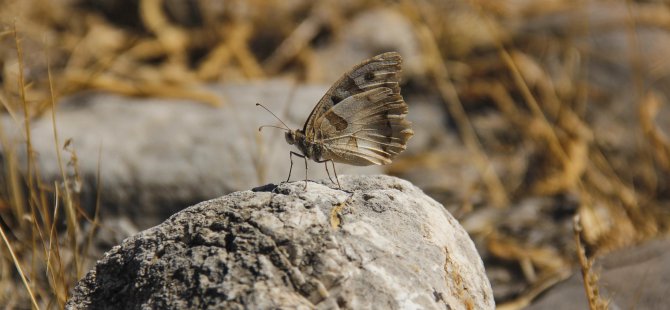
x,y
380,71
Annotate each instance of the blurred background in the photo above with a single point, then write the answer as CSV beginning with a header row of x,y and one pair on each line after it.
x,y
116,114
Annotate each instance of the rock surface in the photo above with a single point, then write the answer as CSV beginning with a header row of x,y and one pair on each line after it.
x,y
377,243
158,156
633,278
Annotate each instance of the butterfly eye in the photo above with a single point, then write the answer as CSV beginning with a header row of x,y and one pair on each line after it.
x,y
290,137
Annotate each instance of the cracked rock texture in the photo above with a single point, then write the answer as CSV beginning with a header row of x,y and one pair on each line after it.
x,y
377,243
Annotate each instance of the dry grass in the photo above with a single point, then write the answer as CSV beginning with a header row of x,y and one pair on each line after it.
x,y
589,277
479,57
44,229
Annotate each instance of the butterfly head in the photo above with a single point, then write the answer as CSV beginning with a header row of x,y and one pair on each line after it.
x,y
308,148
292,136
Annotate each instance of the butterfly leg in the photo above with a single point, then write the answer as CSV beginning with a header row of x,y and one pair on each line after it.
x,y
327,172
334,171
291,159
305,158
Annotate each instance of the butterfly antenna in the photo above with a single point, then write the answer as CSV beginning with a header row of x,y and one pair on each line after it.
x,y
266,109
282,128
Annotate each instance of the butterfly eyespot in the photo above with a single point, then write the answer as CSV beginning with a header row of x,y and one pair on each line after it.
x,y
369,76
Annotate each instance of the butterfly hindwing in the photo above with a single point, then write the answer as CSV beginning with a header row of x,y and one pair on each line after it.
x,y
364,129
380,71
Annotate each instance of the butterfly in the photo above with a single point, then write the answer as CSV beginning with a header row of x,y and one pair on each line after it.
x,y
359,121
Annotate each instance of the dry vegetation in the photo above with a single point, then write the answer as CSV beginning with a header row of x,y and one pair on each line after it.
x,y
514,63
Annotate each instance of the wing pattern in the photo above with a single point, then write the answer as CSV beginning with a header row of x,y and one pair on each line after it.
x,y
380,71
364,129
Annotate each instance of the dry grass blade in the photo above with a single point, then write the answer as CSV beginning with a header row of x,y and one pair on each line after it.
x,y
57,277
590,278
172,38
299,39
537,288
59,281
18,268
143,88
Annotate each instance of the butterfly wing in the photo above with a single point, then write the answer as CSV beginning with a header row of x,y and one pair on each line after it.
x,y
380,71
364,129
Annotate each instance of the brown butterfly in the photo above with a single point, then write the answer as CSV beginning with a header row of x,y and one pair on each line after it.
x,y
359,121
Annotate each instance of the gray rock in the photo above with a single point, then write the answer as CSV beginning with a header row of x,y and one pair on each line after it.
x,y
378,243
633,278
159,155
